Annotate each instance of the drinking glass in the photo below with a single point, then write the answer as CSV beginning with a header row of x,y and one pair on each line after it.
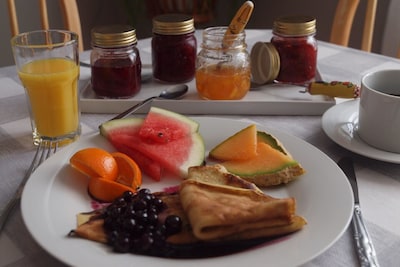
x,y
48,66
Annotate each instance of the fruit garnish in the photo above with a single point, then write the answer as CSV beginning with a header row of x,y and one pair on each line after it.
x,y
264,162
95,162
240,146
111,174
106,190
129,173
138,228
163,142
163,126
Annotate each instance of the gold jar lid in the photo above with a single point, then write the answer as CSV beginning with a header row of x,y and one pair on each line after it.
x,y
265,63
173,24
114,36
295,25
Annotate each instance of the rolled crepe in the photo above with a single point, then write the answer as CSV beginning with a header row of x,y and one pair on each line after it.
x,y
217,210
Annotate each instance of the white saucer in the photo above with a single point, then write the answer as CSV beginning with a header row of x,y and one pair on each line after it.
x,y
340,124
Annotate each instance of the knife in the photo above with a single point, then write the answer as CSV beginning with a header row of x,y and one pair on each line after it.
x,y
365,249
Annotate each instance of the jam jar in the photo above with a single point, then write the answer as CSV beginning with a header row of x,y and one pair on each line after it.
x,y
115,62
174,48
223,65
294,39
291,56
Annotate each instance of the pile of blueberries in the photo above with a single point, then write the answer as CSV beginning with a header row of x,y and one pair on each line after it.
x,y
132,223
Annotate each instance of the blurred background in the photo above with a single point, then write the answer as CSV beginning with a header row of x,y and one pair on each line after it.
x,y
207,13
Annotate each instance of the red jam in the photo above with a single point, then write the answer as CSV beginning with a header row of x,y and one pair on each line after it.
x,y
115,62
298,59
116,78
174,57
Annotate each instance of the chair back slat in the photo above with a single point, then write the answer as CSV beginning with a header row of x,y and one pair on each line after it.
x,y
70,14
343,22
44,19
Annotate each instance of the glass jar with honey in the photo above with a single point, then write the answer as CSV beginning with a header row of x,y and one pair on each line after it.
x,y
223,65
115,62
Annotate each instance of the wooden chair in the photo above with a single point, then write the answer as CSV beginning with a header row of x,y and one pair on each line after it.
x,y
343,21
202,10
69,10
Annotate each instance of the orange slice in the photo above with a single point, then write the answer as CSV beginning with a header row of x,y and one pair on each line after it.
x,y
129,173
106,190
111,174
95,162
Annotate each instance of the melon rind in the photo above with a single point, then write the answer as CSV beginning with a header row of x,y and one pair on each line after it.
x,y
120,126
272,141
193,125
196,155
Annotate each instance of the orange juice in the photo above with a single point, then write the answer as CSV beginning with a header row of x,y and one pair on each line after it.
x,y
52,87
222,82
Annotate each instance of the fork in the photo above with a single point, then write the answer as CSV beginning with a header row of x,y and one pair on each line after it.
x,y
44,150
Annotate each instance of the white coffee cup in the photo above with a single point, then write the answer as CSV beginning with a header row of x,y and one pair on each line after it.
x,y
379,111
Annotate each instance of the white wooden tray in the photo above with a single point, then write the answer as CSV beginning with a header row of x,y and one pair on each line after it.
x,y
263,100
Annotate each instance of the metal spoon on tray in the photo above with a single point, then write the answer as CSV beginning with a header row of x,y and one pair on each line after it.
x,y
169,93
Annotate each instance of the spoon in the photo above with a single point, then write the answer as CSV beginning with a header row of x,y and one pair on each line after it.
x,y
169,93
238,23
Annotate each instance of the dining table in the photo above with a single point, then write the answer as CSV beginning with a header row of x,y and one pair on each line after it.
x,y
320,121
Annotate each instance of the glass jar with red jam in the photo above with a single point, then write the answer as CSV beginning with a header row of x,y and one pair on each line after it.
x,y
294,39
115,62
291,56
174,48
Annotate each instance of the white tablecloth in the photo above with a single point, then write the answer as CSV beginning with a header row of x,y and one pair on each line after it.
x,y
378,181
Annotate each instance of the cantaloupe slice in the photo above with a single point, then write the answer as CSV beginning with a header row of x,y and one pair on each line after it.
x,y
240,146
269,167
267,138
257,156
268,160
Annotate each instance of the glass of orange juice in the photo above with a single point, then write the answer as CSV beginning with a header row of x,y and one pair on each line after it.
x,y
48,66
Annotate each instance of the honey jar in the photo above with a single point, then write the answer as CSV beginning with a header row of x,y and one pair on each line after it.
x,y
223,65
115,62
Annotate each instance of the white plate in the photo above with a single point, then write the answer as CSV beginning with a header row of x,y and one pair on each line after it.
x,y
340,124
56,193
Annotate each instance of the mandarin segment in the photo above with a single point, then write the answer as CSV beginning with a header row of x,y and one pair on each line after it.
x,y
95,162
129,173
106,190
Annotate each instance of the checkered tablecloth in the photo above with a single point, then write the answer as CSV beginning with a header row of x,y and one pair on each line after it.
x,y
379,182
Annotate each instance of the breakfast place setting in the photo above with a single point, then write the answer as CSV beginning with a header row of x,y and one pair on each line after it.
x,y
217,146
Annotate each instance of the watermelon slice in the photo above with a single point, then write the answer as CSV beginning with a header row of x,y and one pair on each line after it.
x,y
160,130
147,165
180,147
175,156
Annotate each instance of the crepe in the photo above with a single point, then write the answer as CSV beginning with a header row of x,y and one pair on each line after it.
x,y
214,205
222,206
